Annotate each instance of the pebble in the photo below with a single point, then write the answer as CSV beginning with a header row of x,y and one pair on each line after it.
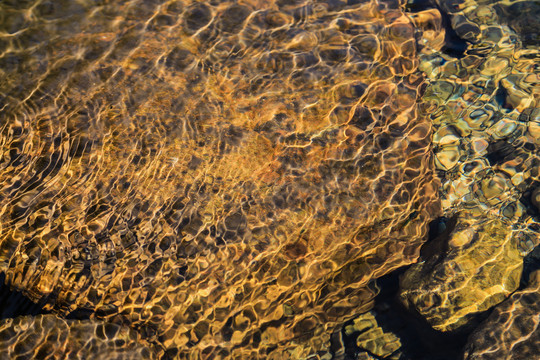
x,y
517,179
447,157
495,66
461,238
479,145
494,187
476,118
534,130
503,128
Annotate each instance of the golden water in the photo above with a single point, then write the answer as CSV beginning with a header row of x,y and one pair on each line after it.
x,y
208,179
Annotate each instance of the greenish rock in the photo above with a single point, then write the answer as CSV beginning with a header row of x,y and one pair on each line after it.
x,y
372,338
512,331
464,272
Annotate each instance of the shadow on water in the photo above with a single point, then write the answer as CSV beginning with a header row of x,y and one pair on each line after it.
x,y
13,303
453,44
418,339
531,263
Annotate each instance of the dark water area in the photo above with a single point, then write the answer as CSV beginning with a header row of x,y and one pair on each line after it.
x,y
454,45
419,340
13,303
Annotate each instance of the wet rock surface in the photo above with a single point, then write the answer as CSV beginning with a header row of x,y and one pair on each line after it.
x,y
478,267
512,330
371,339
484,108
482,94
223,178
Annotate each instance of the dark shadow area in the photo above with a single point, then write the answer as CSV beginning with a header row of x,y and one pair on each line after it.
x,y
453,45
14,303
499,152
418,339
531,263
79,314
530,199
501,96
524,18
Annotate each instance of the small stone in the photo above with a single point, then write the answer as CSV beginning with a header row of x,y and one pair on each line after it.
x,y
534,130
517,179
462,237
494,66
479,145
447,157
493,187
476,118
509,211
469,169
535,198
460,187
503,128
485,14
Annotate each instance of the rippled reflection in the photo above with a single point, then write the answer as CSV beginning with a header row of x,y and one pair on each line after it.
x,y
226,179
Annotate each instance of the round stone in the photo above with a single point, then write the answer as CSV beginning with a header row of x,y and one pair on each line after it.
x,y
503,128
447,157
494,187
479,145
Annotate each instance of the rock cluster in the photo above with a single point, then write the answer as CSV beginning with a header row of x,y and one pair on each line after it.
x,y
484,108
483,102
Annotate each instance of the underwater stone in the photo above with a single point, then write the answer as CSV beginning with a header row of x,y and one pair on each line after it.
x,y
503,128
477,266
479,145
512,331
372,338
447,157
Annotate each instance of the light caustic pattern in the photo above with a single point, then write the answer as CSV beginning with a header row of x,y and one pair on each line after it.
x,y
483,104
222,178
512,330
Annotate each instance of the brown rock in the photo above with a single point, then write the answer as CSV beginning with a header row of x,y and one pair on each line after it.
x,y
194,178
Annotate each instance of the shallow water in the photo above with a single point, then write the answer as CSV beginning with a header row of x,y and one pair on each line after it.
x,y
229,179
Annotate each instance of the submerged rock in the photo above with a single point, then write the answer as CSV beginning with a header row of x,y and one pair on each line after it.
x,y
48,336
477,266
224,178
372,338
485,100
512,331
